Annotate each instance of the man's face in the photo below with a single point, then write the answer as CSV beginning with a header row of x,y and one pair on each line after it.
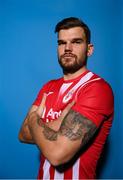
x,y
72,49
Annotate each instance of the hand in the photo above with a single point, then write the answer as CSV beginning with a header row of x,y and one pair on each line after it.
x,y
55,125
38,114
41,107
64,112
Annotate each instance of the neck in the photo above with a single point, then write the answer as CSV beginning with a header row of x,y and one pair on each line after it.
x,y
74,75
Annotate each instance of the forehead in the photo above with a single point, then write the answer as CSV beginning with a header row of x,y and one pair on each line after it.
x,y
71,33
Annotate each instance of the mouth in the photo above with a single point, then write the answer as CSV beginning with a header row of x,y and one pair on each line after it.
x,y
68,57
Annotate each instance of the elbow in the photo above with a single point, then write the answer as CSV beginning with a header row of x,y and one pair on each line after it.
x,y
25,139
55,161
57,158
20,137
24,136
61,155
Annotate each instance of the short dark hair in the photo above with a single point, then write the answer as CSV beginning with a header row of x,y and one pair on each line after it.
x,y
74,22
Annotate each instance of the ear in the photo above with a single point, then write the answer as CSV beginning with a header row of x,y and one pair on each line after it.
x,y
90,49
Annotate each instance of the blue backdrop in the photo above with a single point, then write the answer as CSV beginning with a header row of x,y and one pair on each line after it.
x,y
28,60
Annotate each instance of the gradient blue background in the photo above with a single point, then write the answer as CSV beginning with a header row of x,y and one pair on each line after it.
x,y
28,59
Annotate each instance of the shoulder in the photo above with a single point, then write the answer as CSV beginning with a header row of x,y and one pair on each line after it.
x,y
98,85
95,100
101,87
96,93
45,89
52,82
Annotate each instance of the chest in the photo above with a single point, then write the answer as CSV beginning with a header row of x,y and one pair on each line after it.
x,y
58,96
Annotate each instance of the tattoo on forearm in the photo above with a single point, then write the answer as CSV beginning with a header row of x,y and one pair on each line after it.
x,y
49,133
74,127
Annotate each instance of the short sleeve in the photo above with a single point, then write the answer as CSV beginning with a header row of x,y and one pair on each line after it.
x,y
95,101
43,90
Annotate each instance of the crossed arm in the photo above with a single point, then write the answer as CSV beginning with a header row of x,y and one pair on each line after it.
x,y
60,140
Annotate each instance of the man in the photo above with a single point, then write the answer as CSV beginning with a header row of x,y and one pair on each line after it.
x,y
71,116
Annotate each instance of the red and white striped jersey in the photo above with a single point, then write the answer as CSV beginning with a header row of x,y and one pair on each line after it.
x,y
94,100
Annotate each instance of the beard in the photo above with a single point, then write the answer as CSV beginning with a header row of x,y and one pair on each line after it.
x,y
70,63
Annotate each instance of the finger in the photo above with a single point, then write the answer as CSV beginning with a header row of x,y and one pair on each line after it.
x,y
66,110
42,105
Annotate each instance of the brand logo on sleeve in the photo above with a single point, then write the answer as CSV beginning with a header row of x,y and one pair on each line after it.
x,y
49,93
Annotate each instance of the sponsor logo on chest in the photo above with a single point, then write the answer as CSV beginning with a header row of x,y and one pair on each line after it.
x,y
53,114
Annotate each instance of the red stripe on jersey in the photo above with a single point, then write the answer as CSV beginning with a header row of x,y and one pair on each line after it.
x,y
68,174
52,171
40,173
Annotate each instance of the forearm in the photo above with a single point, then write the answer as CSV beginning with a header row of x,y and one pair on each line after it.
x,y
48,146
58,148
25,135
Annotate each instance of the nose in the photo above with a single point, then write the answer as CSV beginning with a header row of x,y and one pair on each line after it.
x,y
68,47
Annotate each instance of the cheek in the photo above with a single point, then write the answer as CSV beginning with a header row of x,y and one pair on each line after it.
x,y
60,51
82,52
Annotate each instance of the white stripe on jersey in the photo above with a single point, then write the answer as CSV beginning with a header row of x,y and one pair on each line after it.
x,y
75,173
82,81
46,172
64,87
58,175
96,79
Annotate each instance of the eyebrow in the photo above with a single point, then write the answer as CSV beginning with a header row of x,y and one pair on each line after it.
x,y
77,39
74,39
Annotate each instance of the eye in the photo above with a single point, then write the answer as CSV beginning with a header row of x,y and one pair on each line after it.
x,y
61,42
79,41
